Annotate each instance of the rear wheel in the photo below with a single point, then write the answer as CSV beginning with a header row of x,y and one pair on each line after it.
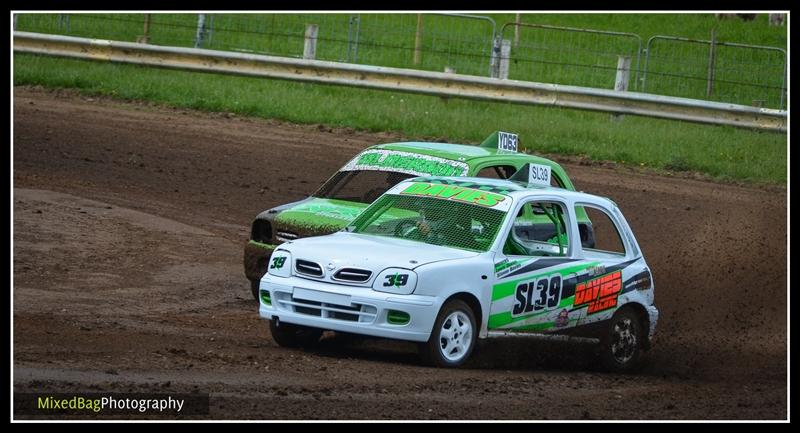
x,y
453,336
621,344
289,335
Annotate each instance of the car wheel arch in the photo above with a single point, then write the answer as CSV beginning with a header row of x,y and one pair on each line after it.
x,y
472,301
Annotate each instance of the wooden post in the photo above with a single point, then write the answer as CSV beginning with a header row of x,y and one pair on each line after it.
x,y
145,37
712,53
623,79
418,41
15,21
505,55
516,31
310,47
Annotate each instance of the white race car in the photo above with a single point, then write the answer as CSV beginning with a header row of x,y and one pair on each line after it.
x,y
446,260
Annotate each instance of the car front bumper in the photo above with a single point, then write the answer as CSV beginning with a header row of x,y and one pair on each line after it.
x,y
353,309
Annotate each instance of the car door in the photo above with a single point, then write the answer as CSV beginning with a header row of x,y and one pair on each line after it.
x,y
616,269
534,269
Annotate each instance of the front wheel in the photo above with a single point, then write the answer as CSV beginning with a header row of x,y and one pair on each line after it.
x,y
453,336
621,344
288,335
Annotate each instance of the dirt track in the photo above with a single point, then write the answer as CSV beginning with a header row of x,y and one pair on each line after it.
x,y
129,223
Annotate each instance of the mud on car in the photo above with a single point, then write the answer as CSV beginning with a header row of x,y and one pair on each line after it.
x,y
443,261
377,169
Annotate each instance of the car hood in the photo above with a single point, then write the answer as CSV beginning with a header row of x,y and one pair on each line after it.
x,y
314,217
375,253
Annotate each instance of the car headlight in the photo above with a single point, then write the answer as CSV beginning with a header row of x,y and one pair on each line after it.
x,y
396,280
280,264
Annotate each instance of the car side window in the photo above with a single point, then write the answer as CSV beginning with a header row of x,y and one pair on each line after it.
x,y
539,229
601,237
497,172
556,181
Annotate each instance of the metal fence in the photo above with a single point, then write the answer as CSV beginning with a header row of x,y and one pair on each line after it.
x,y
463,44
565,55
719,71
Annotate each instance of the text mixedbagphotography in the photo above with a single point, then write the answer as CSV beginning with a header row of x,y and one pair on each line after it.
x,y
111,403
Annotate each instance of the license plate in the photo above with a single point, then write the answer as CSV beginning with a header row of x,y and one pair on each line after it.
x,y
318,296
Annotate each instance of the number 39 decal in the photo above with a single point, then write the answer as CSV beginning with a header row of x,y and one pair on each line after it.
x,y
396,280
537,295
277,262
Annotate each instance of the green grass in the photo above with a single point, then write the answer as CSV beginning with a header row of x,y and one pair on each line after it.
x,y
742,76
724,153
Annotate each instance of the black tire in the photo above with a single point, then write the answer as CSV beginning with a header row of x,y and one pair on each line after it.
x,y
294,336
621,344
433,353
254,288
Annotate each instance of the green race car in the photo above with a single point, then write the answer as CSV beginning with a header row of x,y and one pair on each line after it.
x,y
377,169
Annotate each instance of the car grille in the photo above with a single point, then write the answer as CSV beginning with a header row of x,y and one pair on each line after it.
x,y
285,236
306,267
361,313
352,275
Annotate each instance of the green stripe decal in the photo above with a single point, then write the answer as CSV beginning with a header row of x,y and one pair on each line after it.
x,y
508,288
504,318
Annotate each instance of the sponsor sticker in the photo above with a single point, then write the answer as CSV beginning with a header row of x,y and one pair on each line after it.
x,y
563,319
599,294
406,162
455,193
506,266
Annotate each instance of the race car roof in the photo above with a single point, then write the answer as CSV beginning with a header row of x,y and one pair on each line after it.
x,y
511,188
460,152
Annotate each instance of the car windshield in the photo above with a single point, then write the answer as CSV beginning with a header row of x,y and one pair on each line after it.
x,y
362,186
434,221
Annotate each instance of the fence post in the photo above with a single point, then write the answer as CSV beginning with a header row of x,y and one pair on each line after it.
x,y
145,37
418,41
63,19
505,55
201,29
310,47
777,19
494,59
15,20
783,82
711,60
516,31
350,23
623,79
358,32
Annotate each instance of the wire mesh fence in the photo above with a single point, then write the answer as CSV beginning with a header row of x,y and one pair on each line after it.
x,y
719,71
564,55
463,44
